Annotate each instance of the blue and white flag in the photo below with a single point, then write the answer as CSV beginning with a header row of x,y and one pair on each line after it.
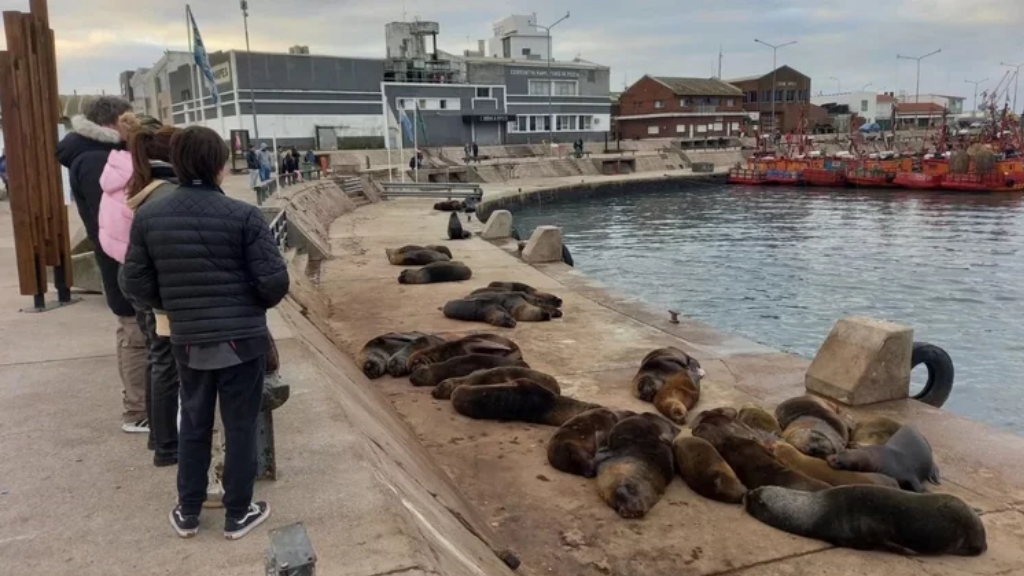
x,y
201,58
403,118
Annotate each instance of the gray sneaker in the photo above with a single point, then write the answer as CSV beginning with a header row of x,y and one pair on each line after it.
x,y
254,516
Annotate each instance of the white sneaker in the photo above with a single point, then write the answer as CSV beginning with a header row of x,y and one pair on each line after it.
x,y
140,427
254,516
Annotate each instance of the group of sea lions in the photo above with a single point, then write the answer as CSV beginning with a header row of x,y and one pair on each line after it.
x,y
503,304
436,264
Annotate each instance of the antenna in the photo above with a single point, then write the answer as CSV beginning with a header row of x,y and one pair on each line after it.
x,y
719,61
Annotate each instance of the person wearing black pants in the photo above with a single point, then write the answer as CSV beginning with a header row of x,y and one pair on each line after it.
x,y
219,271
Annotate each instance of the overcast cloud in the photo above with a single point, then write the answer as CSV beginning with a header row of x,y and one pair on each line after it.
x,y
854,41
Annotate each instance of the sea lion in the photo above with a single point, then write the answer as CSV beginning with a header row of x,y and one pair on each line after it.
x,y
551,299
573,446
487,293
873,517
374,355
717,424
522,306
755,466
521,399
453,271
413,248
415,257
634,467
431,374
398,364
471,344
758,418
658,365
813,425
479,311
820,470
907,457
705,471
455,231
678,395
450,206
873,432
443,391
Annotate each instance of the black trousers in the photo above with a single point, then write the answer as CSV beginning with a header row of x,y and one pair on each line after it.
x,y
162,389
240,391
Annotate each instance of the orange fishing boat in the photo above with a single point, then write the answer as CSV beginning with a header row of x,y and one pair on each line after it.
x,y
747,177
825,177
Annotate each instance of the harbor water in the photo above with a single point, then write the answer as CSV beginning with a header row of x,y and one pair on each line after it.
x,y
780,265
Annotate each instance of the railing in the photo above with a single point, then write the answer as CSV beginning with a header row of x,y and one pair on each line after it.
x,y
279,228
268,188
431,190
705,108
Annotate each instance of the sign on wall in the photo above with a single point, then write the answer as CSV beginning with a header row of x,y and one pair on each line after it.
x,y
543,73
222,73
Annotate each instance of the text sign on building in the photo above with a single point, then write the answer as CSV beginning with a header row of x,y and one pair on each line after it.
x,y
222,73
543,73
496,118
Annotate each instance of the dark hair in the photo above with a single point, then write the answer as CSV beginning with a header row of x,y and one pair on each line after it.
x,y
106,110
198,155
146,145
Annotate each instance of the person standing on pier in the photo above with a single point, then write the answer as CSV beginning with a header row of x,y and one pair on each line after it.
x,y
220,270
84,153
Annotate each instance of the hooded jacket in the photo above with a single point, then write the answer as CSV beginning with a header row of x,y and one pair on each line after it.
x,y
116,214
84,153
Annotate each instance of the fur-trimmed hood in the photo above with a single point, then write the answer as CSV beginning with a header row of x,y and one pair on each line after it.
x,y
89,139
93,131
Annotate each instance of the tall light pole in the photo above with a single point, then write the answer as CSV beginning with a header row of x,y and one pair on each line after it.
x,y
839,85
975,82
551,82
917,90
775,50
1016,67
244,5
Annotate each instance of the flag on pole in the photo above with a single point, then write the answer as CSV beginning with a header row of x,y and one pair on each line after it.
x,y
201,58
403,118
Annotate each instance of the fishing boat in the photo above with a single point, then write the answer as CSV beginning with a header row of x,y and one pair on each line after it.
x,y
870,178
747,176
783,177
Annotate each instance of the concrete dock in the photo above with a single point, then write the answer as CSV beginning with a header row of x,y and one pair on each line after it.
x,y
389,480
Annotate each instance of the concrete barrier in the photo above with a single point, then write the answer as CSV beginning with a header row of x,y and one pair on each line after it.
x,y
85,271
544,246
863,361
499,225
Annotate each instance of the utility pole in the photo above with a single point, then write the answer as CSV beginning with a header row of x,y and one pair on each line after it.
x,y
244,5
775,50
917,89
551,82
1016,75
719,61
975,82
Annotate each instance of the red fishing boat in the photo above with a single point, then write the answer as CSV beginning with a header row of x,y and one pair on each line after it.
x,y
918,180
824,177
996,182
870,178
747,176
784,177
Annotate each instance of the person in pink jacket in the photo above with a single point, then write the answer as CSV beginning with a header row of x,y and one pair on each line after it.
x,y
115,219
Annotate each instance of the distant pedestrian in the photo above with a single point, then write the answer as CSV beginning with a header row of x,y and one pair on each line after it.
x,y
219,271
468,152
266,159
476,153
252,162
310,157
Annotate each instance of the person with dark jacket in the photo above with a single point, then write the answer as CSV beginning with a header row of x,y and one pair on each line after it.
x,y
212,264
84,153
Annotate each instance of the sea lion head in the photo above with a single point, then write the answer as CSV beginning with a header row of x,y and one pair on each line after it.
x,y
811,442
421,376
375,366
852,460
784,506
406,276
647,387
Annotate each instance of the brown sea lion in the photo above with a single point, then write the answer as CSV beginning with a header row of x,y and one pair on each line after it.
x,y
398,364
443,391
510,300
813,425
705,471
413,248
522,400
720,423
503,310
374,355
755,466
459,366
634,467
820,470
656,369
416,257
472,344
907,457
455,231
573,446
758,418
453,271
678,395
873,517
873,432
550,299
450,206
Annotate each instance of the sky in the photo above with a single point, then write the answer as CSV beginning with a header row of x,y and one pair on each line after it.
x,y
841,44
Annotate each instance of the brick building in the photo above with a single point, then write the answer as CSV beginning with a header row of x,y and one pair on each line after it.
x,y
792,94
690,109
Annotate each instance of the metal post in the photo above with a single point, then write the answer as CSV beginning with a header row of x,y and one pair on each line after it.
x,y
775,50
551,82
975,82
917,89
248,61
1017,68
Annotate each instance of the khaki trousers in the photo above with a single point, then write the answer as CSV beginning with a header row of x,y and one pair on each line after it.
x,y
133,366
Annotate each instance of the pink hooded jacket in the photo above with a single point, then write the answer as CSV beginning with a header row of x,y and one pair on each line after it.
x,y
115,218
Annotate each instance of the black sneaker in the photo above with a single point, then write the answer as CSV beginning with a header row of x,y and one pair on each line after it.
x,y
185,526
257,513
163,461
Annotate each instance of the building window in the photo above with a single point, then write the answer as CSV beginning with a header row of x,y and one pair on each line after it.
x,y
533,123
526,51
539,87
863,105
752,96
159,86
680,128
790,95
483,92
186,95
442,104
730,102
778,95
735,126
653,130
566,123
522,124
659,104
718,127
591,76
423,103
686,102
702,128
565,87
767,97
586,122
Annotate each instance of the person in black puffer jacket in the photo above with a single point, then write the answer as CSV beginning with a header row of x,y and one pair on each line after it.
x,y
212,264
84,153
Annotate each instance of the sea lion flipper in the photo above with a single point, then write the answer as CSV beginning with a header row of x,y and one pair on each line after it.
x,y
934,476
914,485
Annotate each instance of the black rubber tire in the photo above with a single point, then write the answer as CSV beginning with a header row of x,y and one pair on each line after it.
x,y
940,373
566,256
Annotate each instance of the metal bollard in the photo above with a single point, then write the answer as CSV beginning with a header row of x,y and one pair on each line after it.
x,y
290,553
275,394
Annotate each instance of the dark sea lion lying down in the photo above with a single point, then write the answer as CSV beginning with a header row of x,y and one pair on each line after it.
x,y
907,457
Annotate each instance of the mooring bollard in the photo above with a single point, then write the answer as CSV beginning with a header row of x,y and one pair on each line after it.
x,y
290,553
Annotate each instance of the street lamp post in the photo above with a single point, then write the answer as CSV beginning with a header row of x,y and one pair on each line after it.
x,y
551,82
244,5
975,82
917,89
1016,74
839,85
775,50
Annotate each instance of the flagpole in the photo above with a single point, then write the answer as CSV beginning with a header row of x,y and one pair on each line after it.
x,y
415,139
192,63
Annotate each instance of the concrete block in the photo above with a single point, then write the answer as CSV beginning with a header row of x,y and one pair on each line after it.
x,y
80,243
544,246
87,274
863,361
499,225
